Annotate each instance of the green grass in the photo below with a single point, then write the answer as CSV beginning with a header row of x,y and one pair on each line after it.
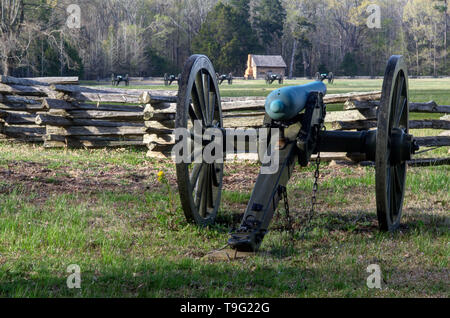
x,y
105,211
421,90
129,242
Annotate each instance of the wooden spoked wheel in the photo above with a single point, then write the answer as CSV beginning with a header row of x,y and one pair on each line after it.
x,y
199,183
318,76
330,78
393,121
166,79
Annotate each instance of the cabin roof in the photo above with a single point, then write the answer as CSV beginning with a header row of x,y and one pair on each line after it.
x,y
269,61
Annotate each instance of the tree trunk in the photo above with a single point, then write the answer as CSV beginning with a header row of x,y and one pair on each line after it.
x,y
417,58
445,37
5,66
61,57
291,69
305,64
434,53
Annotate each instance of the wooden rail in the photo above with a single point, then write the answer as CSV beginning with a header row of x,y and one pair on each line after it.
x,y
360,113
59,113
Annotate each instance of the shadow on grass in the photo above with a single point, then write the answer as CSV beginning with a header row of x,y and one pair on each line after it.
x,y
348,224
165,278
228,219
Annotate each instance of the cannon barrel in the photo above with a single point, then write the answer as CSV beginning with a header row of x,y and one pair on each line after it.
x,y
287,102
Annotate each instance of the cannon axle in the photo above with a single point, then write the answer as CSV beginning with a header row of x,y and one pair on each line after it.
x,y
403,145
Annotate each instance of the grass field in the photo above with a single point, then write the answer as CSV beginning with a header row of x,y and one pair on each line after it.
x,y
105,211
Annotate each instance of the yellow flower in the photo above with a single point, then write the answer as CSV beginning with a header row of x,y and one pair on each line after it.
x,y
52,3
160,176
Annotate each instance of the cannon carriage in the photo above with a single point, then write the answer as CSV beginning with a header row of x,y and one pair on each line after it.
x,y
116,80
271,78
169,79
295,118
222,78
322,77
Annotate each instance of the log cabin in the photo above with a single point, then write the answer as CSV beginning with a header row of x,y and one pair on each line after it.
x,y
259,65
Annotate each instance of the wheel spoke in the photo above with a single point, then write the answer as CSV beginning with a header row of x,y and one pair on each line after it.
x,y
200,96
398,188
197,154
400,84
392,193
197,150
209,190
215,172
200,193
400,114
212,103
193,116
206,90
203,208
196,101
195,174
398,96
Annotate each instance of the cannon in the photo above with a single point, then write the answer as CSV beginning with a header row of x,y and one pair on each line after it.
x,y
116,80
322,77
270,78
169,79
298,113
222,78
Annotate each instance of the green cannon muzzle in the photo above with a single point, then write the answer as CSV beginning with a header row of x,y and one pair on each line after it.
x,y
285,103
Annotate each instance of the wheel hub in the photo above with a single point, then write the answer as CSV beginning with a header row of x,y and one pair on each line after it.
x,y
402,146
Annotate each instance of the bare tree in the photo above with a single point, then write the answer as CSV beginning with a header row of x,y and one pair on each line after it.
x,y
11,23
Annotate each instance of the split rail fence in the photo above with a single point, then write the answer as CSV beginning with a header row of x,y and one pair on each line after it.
x,y
59,113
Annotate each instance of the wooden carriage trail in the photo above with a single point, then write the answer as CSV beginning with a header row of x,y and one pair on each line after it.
x,y
59,113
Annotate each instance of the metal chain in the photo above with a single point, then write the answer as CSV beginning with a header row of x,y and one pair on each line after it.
x,y
312,210
315,188
288,216
311,213
315,191
428,150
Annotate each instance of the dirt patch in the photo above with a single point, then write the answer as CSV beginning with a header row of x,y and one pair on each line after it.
x,y
227,255
240,177
38,178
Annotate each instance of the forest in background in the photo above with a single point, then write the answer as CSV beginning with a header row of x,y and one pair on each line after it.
x,y
152,37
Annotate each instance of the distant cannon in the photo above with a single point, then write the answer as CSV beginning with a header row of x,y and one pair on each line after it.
x,y
169,79
322,77
270,78
222,78
116,80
